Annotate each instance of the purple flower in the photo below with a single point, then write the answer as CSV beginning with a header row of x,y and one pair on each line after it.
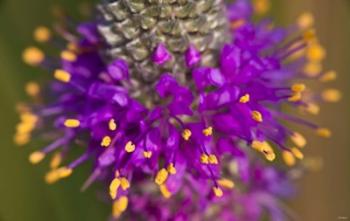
x,y
186,145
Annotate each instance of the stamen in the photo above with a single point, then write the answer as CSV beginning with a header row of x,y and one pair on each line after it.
x,y
56,160
33,56
315,52
129,147
265,148
257,116
171,169
297,88
42,34
124,183
312,108
313,69
106,141
328,76
213,159
297,153
164,190
32,89
186,134
113,187
208,131
305,20
55,175
36,157
218,191
261,6
204,159
112,125
72,123
68,56
229,184
295,97
324,132
147,154
309,35
119,206
62,75
331,95
298,139
244,99
288,158
161,176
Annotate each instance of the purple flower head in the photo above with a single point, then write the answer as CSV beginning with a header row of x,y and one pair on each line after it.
x,y
175,148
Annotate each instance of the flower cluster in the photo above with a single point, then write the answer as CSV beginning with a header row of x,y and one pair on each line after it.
x,y
198,144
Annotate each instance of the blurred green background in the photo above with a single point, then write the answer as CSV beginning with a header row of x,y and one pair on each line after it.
x,y
323,196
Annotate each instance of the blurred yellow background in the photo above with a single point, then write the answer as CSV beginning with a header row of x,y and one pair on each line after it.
x,y
323,195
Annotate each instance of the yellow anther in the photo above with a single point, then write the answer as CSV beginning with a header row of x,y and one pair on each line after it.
x,y
288,158
32,89
331,95
119,206
72,123
261,6
113,187
295,97
208,131
55,175
112,125
124,183
62,75
64,172
313,69
244,99
315,52
42,34
270,155
298,139
52,177
218,191
297,153
29,117
309,35
328,76
257,116
229,184
312,108
171,169
261,145
36,157
204,159
72,46
165,191
305,20
324,132
186,134
298,87
68,56
161,176
33,56
106,141
56,161
147,154
129,147
21,139
265,148
25,128
213,159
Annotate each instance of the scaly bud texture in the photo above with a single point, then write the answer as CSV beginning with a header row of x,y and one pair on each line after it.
x,y
178,104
